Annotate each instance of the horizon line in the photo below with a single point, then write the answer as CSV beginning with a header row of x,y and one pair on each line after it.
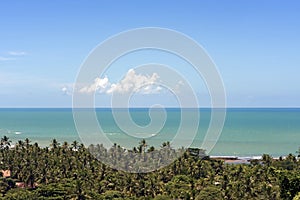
x,y
233,107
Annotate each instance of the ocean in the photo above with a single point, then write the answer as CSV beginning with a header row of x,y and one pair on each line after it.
x,y
246,132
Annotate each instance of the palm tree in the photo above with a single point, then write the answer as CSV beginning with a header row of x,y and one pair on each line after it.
x,y
74,145
54,144
27,143
142,146
5,142
267,159
65,173
298,152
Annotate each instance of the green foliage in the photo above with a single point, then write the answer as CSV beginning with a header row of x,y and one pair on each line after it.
x,y
19,194
70,171
210,193
162,197
290,185
297,197
55,190
111,194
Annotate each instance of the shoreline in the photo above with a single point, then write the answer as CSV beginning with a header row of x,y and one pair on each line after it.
x,y
241,156
226,158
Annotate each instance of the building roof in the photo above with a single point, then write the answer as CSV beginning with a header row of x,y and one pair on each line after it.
x,y
6,173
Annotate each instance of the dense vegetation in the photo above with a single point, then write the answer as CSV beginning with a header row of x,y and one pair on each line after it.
x,y
70,171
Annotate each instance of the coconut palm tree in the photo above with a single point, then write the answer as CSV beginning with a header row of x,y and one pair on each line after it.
x,y
5,142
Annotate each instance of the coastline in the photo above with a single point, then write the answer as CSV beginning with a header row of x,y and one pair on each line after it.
x,y
228,159
247,132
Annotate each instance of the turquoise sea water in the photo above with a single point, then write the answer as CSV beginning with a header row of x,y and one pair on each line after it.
x,y
247,132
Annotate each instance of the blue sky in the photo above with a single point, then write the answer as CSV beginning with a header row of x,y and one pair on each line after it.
x,y
255,45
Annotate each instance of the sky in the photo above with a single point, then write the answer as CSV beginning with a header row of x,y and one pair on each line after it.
x,y
254,44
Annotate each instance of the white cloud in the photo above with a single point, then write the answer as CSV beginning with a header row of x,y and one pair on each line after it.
x,y
100,84
132,82
12,55
151,89
17,53
179,86
66,90
5,58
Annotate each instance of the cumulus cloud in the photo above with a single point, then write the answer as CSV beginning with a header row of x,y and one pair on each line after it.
x,y
151,89
132,82
100,84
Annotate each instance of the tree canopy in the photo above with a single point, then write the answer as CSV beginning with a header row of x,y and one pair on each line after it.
x,y
71,171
